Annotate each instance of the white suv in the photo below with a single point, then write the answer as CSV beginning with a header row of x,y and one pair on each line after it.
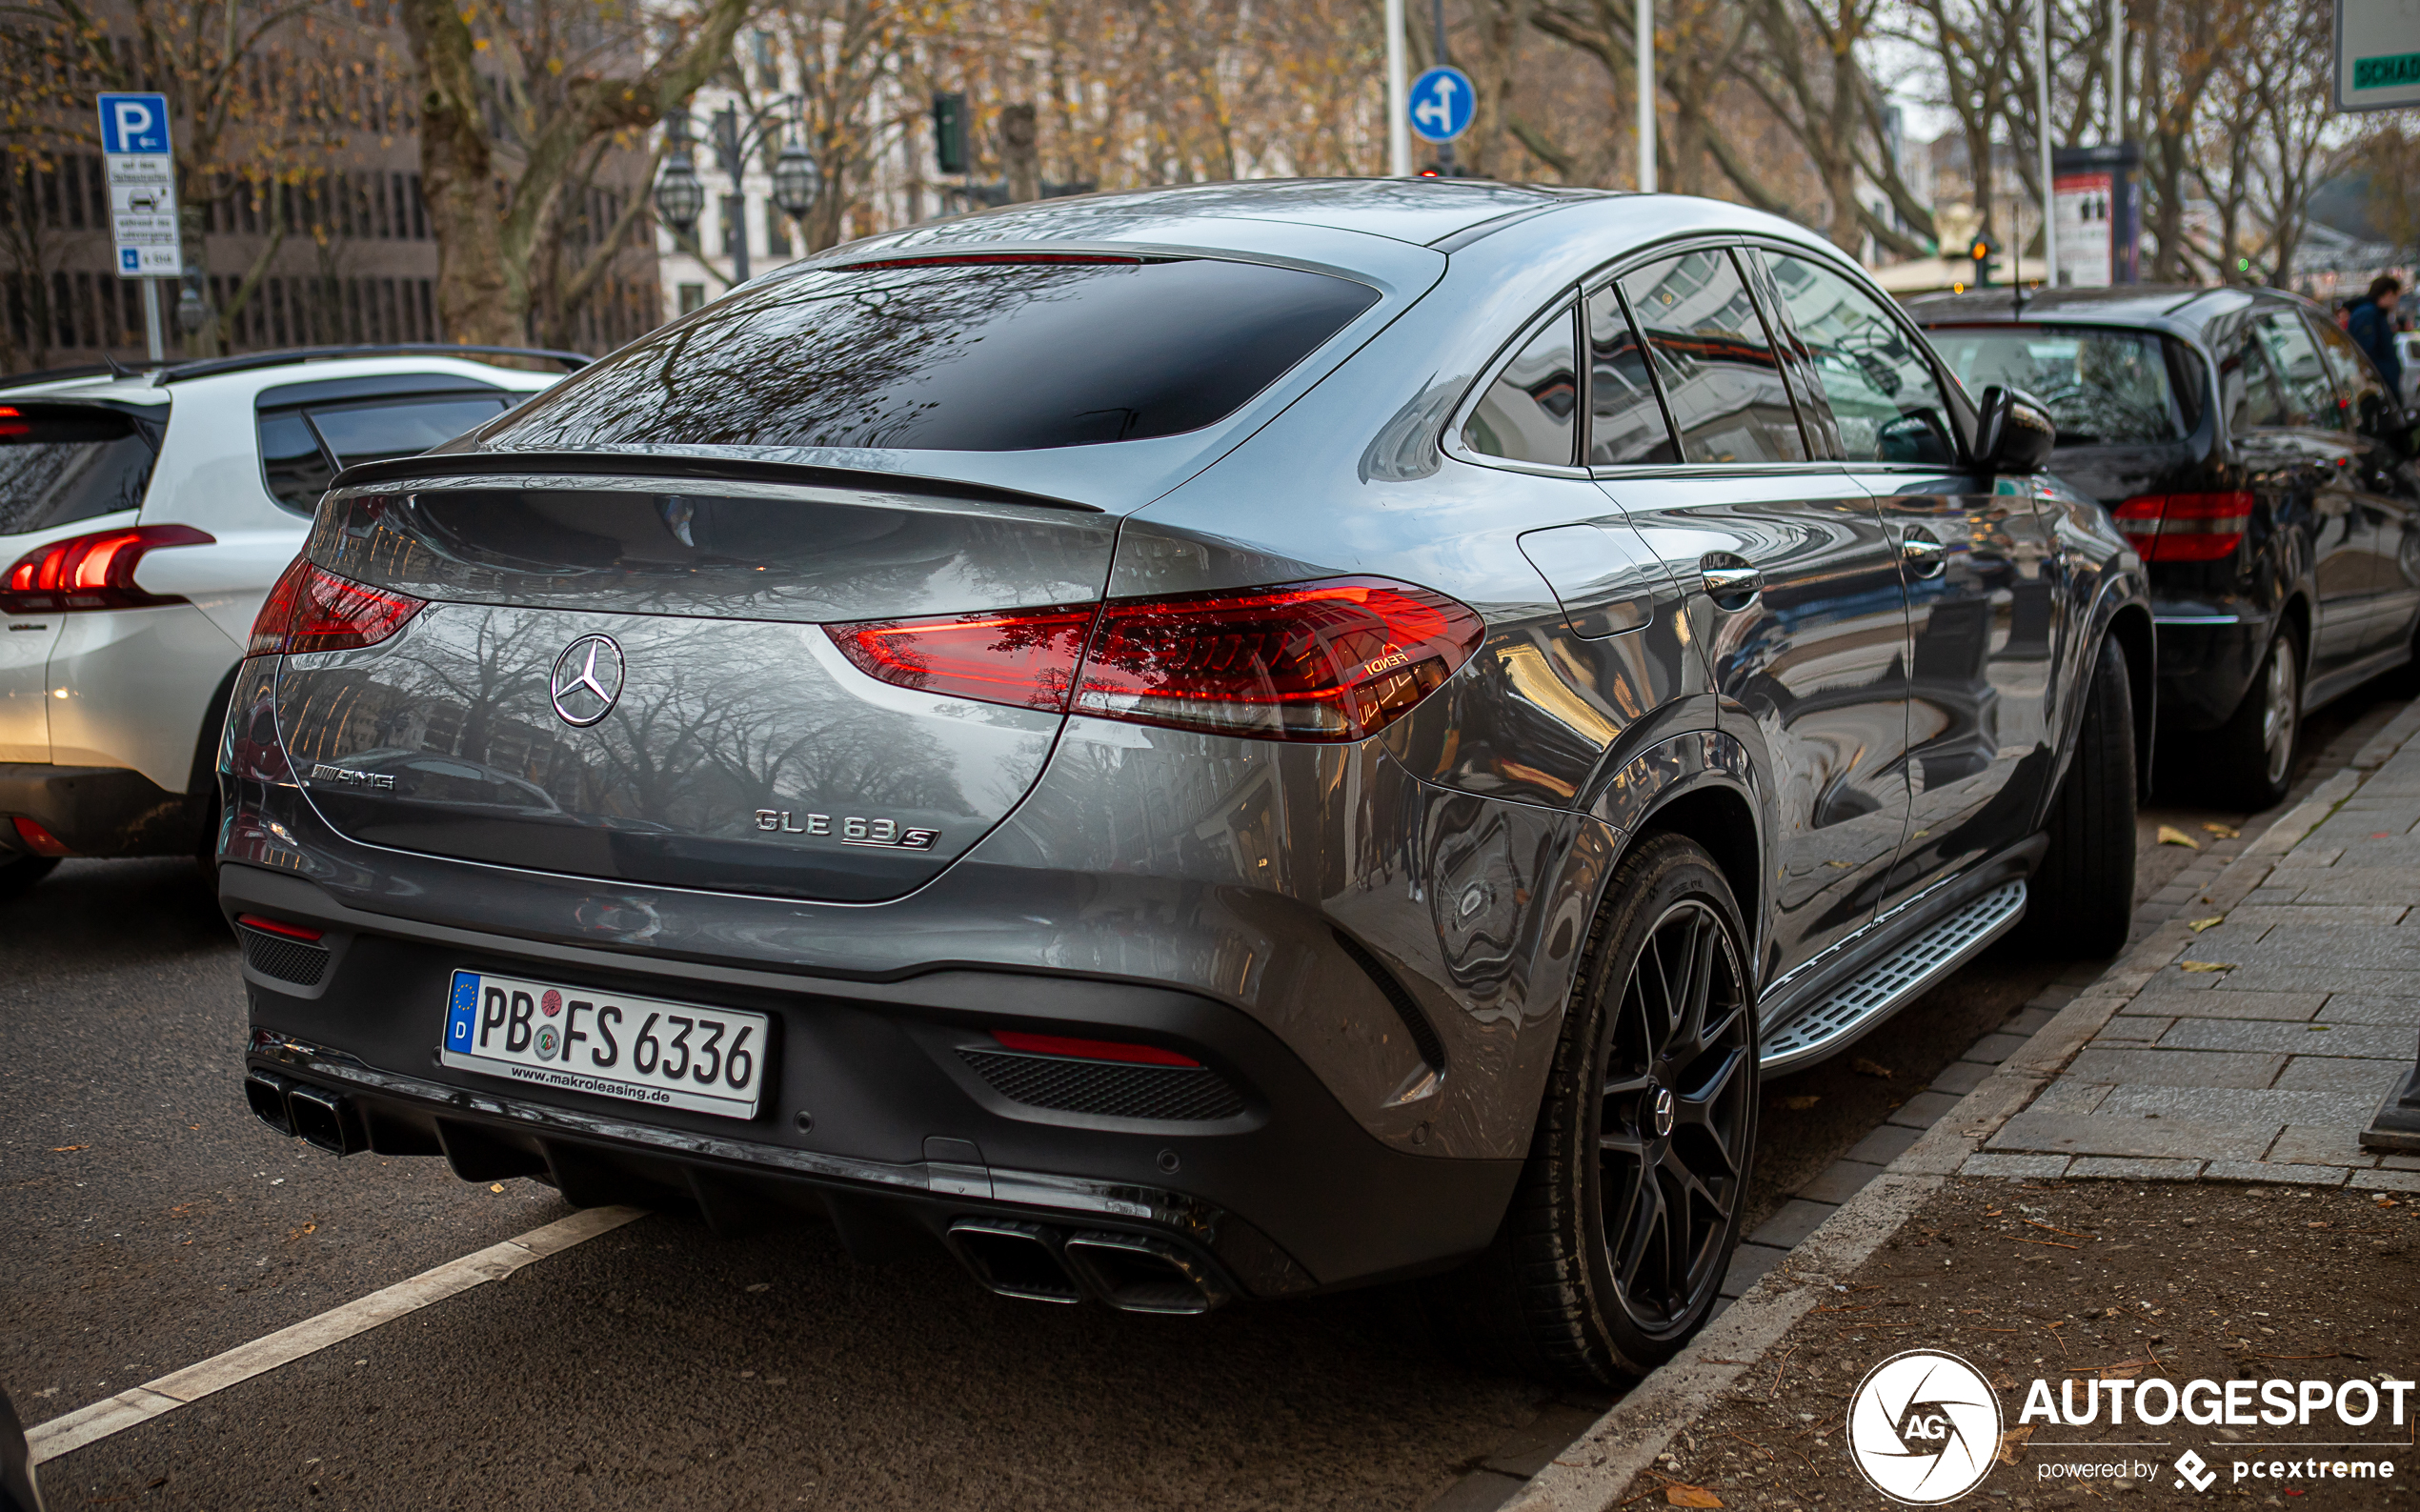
x,y
142,520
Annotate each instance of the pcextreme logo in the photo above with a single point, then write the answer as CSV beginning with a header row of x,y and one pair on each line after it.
x,y
1923,1428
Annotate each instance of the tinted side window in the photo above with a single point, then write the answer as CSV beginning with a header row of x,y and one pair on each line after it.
x,y
1526,414
970,351
303,447
2357,381
1625,423
1882,390
2247,387
2308,393
61,463
1715,361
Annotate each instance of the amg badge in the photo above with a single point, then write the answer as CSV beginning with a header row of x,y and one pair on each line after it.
x,y
884,834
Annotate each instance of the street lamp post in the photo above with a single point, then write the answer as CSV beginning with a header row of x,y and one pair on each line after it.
x,y
680,197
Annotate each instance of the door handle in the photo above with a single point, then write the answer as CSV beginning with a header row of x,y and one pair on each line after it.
x,y
1729,581
1923,555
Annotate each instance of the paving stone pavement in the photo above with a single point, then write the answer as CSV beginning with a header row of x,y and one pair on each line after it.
x,y
2250,1036
2213,1074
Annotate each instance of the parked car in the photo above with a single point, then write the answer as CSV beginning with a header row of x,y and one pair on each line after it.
x,y
2408,347
2250,453
1187,745
142,518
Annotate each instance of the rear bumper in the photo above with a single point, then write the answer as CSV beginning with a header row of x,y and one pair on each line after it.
x,y
101,811
2205,668
869,1110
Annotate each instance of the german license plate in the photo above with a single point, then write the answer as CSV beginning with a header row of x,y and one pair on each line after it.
x,y
670,1054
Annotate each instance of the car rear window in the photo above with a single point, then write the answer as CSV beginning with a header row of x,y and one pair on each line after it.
x,y
2104,386
966,354
302,446
63,462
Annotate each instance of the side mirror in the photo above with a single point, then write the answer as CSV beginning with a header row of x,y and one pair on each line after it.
x,y
2014,432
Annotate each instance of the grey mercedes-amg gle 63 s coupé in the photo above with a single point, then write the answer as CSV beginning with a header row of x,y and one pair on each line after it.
x,y
1216,742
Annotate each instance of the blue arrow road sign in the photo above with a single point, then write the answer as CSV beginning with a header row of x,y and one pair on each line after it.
x,y
1441,101
134,122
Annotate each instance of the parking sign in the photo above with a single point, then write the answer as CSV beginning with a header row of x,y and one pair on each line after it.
x,y
142,178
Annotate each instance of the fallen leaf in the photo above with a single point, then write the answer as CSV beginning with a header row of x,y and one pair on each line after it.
x,y
1869,1068
497,1187
1681,1495
2205,965
1800,1104
2225,831
2200,924
65,1149
2171,834
2012,1443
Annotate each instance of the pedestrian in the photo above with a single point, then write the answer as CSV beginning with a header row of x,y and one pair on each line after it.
x,y
2372,328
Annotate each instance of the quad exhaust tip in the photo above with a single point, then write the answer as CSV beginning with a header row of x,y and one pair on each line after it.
x,y
325,1120
1130,1272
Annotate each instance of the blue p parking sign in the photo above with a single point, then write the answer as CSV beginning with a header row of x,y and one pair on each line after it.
x,y
1441,101
134,122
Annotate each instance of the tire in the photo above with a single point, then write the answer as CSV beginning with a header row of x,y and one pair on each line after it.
x,y
2081,898
19,873
1590,1278
2256,747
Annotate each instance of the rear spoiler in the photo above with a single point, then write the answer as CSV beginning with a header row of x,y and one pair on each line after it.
x,y
684,469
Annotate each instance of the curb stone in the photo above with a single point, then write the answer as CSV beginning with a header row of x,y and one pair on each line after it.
x,y
1593,1473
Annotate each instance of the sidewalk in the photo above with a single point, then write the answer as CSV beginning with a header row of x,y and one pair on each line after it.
x,y
2197,1056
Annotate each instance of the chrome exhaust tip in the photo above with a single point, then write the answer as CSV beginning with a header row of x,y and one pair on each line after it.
x,y
1138,1273
325,1120
1013,1258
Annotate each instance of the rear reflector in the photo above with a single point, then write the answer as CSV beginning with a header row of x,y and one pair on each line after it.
x,y
91,572
1338,659
1091,1049
311,609
2186,526
275,927
39,840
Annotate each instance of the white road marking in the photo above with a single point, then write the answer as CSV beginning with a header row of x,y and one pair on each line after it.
x,y
60,1435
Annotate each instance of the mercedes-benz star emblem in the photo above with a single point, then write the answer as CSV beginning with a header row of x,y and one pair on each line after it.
x,y
1663,1111
587,681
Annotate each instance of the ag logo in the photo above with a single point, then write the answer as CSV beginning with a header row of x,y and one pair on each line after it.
x,y
2196,1469
1923,1428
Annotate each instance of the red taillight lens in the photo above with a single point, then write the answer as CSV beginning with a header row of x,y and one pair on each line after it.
x,y
1333,660
310,609
1090,1049
1024,656
39,840
91,572
2186,526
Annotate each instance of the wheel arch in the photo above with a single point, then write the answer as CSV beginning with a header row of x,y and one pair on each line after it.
x,y
1702,785
2130,627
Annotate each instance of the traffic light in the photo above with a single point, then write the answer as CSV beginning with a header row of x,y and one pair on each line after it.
x,y
949,132
1983,254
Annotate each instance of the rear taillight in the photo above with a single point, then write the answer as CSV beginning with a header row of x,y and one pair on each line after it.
x,y
37,839
1334,661
1338,659
1024,656
91,572
276,926
2186,526
311,609
1120,1050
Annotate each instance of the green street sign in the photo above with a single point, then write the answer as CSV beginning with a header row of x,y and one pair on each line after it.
x,y
2377,62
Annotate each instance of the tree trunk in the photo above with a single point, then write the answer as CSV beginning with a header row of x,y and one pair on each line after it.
x,y
1021,161
478,303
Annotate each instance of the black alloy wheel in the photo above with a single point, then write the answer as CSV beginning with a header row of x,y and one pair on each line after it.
x,y
2255,764
1674,1117
1614,1246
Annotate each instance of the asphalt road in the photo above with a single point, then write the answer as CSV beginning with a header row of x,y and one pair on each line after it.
x,y
151,1223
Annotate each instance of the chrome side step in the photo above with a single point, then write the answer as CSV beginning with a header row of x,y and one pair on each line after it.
x,y
1888,985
